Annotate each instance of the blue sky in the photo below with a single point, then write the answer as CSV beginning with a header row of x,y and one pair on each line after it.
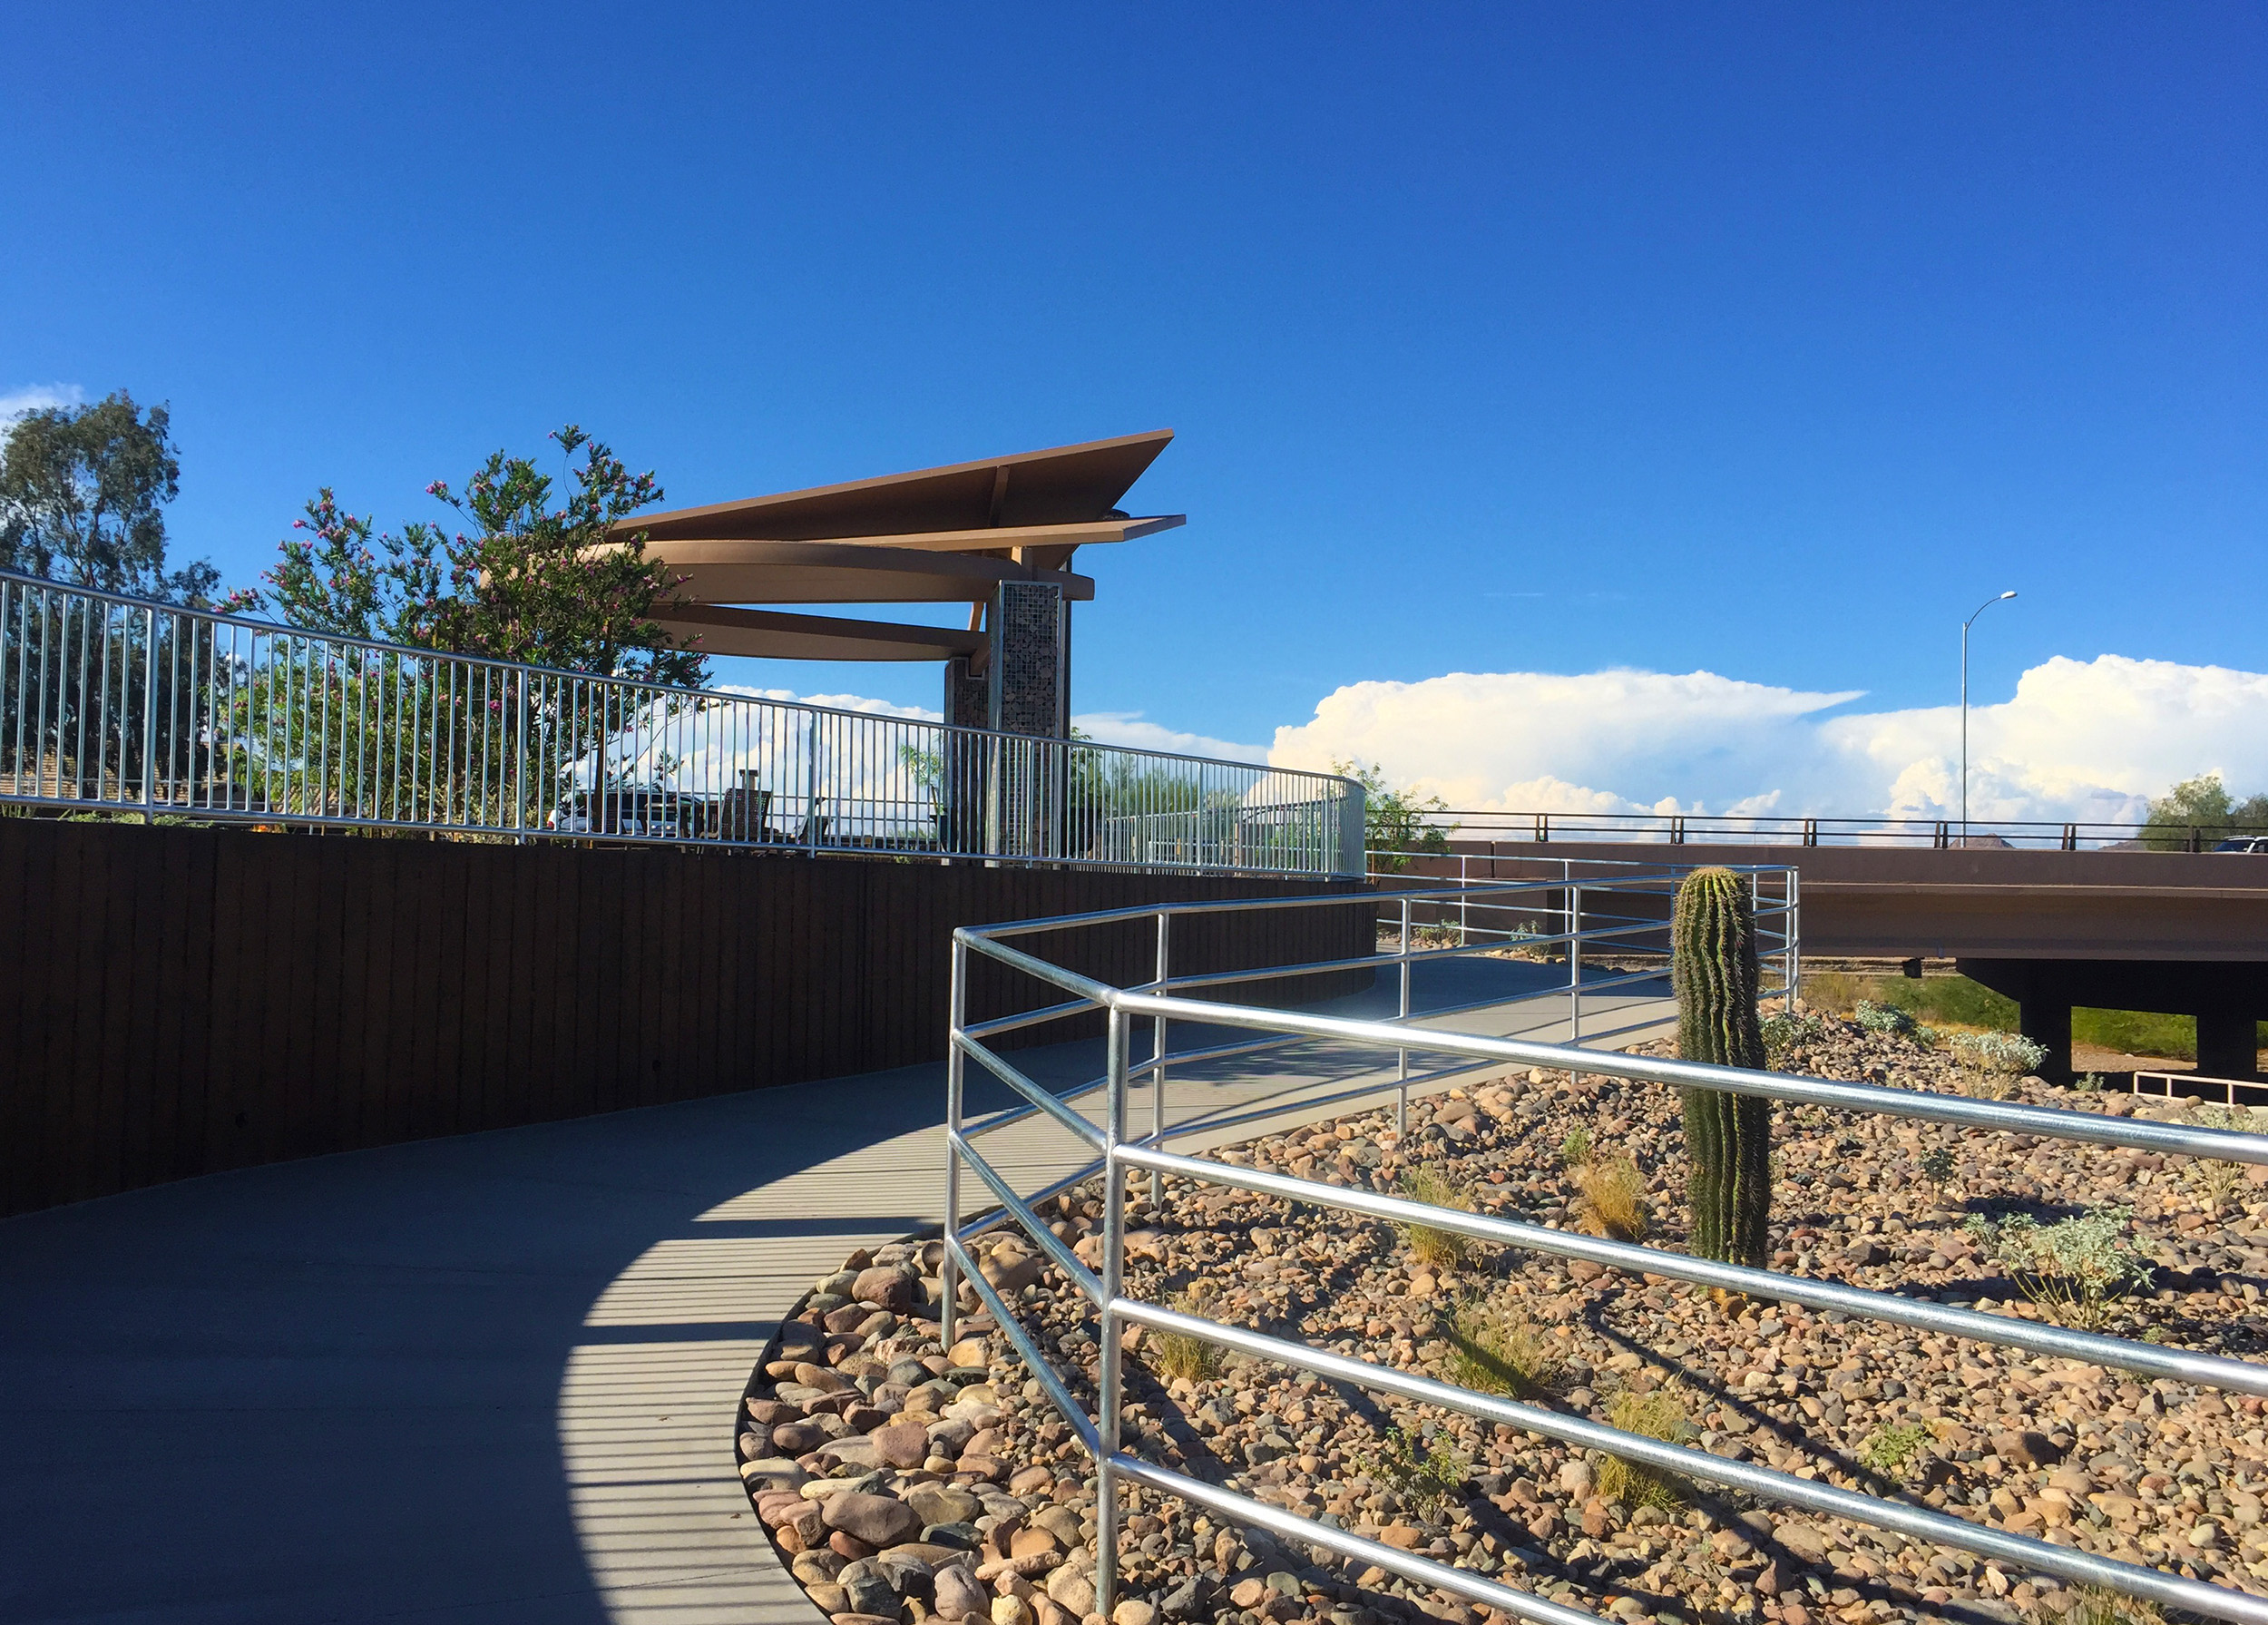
x,y
1759,341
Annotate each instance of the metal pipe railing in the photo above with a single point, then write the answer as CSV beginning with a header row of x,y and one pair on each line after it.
x,y
1119,1154
114,702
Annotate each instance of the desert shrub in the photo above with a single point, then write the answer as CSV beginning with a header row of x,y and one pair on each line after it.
x,y
2077,1270
1785,1028
1888,1450
1611,1198
1500,1351
1660,1414
2008,1054
1424,1476
1435,1249
1938,1164
1885,1019
1177,1353
1575,1150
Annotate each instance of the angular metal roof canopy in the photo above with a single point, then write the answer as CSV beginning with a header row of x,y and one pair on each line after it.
x,y
936,535
1066,484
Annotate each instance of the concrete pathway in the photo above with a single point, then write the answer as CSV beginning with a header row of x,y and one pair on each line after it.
x,y
486,1378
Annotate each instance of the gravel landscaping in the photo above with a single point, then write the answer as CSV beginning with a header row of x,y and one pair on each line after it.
x,y
903,1480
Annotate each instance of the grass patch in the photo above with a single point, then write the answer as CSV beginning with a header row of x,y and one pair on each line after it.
x,y
1956,1001
1179,1355
1575,1150
1661,1414
1435,1249
1500,1351
1611,1199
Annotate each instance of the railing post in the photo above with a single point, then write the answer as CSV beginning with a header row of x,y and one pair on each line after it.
x,y
1113,1259
1157,1068
811,788
1574,968
1794,936
148,715
1401,1012
956,1012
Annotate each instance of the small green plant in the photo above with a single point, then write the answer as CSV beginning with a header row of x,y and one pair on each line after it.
x,y
1575,1150
1887,1450
1786,1030
2099,1605
1611,1199
1500,1351
2091,1083
1660,1414
1424,1476
2077,1270
1177,1353
1886,1019
1938,1164
1435,1249
2008,1054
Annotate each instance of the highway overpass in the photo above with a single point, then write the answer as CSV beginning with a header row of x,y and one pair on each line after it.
x,y
2176,932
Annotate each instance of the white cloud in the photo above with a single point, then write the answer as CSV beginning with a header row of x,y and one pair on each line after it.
x,y
1129,729
840,703
2080,739
33,397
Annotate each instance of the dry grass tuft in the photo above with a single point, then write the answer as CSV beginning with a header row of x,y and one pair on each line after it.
x,y
2099,1605
1611,1199
1436,1250
1500,1351
1177,1354
1660,1414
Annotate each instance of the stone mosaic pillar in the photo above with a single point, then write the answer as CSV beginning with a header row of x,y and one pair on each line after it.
x,y
1029,675
959,796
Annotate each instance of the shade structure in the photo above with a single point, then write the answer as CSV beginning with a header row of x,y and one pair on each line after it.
x,y
957,535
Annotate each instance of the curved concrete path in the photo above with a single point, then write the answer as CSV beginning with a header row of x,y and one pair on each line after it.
x,y
486,1378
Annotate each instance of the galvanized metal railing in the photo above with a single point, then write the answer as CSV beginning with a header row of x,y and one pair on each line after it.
x,y
1881,829
121,703
1118,1152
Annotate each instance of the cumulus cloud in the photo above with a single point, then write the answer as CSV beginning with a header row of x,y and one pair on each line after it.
x,y
2085,739
1132,729
33,397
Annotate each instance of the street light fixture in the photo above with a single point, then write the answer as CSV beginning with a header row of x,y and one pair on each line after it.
x,y
1981,608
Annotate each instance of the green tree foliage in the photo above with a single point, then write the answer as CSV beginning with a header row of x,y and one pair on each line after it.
x,y
1729,1137
528,581
2204,805
1396,822
82,491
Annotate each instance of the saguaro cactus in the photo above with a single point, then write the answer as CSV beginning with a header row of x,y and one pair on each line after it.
x,y
1729,1137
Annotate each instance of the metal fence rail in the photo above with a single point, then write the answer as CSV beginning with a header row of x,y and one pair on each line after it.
x,y
1119,1152
115,702
1878,831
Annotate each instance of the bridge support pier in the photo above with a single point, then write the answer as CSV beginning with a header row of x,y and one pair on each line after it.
x,y
2227,997
2227,1044
2046,1020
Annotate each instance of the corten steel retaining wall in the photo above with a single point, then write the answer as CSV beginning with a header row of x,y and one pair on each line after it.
x,y
177,1001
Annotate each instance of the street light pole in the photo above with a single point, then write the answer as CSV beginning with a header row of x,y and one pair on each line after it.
x,y
1981,608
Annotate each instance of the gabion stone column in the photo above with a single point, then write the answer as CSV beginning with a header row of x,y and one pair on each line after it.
x,y
1030,694
959,794
1031,668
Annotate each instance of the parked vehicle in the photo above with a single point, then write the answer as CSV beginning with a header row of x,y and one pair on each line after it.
x,y
2243,843
667,814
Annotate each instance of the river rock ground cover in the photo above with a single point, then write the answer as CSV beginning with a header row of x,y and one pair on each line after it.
x,y
904,1481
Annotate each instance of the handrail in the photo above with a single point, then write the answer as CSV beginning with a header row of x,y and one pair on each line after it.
x,y
1123,1152
1680,829
109,701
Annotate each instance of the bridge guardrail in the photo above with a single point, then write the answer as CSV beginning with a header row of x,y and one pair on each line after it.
x,y
109,702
